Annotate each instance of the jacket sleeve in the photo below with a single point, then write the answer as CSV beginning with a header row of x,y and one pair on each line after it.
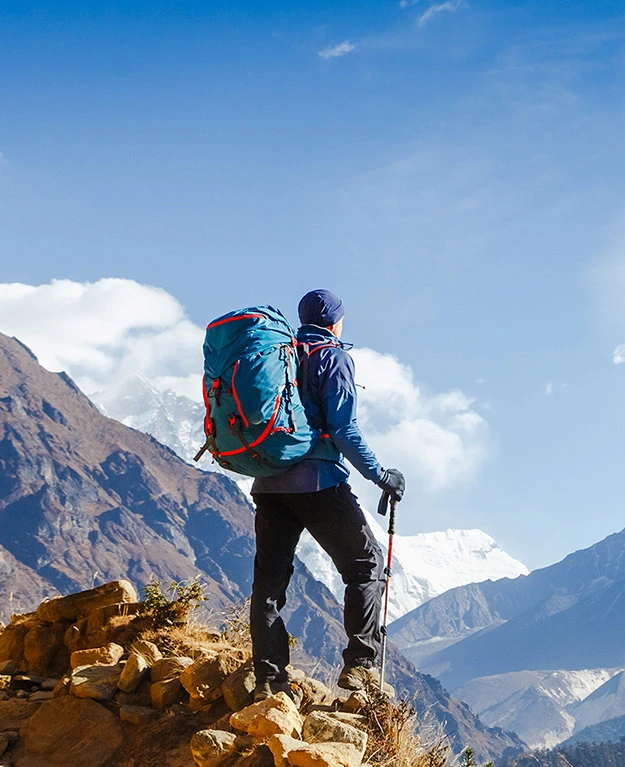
x,y
338,395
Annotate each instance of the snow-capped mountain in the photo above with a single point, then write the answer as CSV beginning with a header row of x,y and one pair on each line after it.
x,y
172,419
544,707
424,565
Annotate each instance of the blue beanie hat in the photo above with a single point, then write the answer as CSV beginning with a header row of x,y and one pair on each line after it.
x,y
320,307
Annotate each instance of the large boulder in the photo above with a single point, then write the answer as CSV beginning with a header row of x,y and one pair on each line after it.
x,y
275,715
288,752
95,682
322,727
75,606
211,747
69,732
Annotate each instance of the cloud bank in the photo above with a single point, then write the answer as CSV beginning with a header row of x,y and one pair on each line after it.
x,y
336,51
104,332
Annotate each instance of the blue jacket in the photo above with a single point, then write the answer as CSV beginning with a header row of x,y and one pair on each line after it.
x,y
329,396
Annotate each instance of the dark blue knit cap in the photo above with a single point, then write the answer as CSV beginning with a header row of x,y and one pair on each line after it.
x,y
320,307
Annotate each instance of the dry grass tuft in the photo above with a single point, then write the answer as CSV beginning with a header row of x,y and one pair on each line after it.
x,y
393,741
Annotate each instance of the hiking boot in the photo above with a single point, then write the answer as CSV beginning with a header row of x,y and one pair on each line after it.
x,y
358,677
265,690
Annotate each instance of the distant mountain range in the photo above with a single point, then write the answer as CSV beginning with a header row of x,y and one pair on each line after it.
x,y
425,565
85,499
481,640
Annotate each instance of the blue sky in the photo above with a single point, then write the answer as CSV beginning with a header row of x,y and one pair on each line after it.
x,y
456,175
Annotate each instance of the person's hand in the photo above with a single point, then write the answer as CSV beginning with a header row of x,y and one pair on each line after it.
x,y
393,483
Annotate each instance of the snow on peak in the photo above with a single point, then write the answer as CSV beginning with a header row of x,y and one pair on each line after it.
x,y
424,565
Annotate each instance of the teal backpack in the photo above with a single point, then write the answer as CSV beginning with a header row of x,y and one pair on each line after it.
x,y
255,423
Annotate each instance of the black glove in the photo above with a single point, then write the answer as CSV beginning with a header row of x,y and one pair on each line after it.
x,y
393,483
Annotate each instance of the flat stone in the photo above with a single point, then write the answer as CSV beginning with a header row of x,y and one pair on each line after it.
x,y
70,732
168,668
135,670
274,715
137,715
166,693
289,752
75,606
106,656
320,727
147,650
211,747
314,693
40,696
95,682
49,684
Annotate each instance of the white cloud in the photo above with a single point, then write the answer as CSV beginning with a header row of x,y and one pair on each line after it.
x,y
437,440
106,331
407,3
433,10
335,51
552,387
102,331
618,355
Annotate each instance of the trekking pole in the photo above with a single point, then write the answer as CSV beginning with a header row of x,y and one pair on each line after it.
x,y
387,573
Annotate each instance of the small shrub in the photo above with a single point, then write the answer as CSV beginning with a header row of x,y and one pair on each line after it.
x,y
163,611
393,741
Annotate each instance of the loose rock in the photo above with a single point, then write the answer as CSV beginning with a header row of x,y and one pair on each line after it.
x,y
147,650
9,668
106,656
210,747
167,668
203,679
95,682
288,752
238,688
275,715
135,670
166,693
320,727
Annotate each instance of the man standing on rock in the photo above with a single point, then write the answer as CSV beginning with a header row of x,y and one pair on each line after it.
x,y
314,495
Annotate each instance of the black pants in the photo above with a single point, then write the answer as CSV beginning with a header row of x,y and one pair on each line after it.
x,y
336,521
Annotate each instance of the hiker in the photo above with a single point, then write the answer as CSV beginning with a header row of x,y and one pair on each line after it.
x,y
313,494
